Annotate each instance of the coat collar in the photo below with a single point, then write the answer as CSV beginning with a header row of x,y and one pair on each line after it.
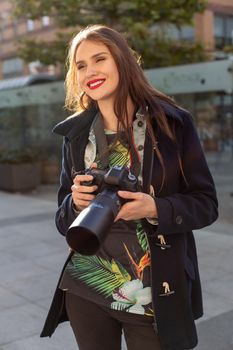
x,y
75,124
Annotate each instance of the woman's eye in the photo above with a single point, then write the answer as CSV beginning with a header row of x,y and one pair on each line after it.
x,y
80,67
100,59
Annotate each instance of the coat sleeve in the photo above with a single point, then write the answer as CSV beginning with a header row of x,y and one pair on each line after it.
x,y
66,213
195,206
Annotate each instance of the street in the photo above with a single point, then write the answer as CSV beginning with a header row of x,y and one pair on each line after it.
x,y
32,253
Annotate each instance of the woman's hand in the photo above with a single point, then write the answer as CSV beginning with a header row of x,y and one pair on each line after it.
x,y
141,205
82,195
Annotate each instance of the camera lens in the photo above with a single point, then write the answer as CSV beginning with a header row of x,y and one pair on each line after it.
x,y
90,228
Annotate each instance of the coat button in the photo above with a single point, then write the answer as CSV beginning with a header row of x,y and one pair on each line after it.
x,y
62,213
163,245
140,123
140,148
167,291
179,220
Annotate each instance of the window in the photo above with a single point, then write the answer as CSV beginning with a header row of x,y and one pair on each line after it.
x,y
30,25
229,29
45,21
187,33
223,31
12,67
184,33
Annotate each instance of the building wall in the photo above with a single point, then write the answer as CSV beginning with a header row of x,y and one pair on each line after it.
x,y
204,23
204,29
12,30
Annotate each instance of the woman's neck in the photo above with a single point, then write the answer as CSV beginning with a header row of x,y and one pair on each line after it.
x,y
109,117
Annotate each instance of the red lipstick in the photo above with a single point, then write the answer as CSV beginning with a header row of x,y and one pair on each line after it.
x,y
94,84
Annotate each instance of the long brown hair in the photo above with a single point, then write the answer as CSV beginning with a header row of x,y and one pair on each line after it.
x,y
132,82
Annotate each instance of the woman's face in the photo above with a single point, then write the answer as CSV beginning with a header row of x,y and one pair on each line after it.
x,y
97,72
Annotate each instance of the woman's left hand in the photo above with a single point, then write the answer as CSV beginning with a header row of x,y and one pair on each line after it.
x,y
140,205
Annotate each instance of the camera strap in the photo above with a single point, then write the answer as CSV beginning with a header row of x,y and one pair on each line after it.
x,y
103,150
135,167
101,140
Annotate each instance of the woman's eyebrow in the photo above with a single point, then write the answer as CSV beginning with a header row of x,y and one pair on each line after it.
x,y
94,56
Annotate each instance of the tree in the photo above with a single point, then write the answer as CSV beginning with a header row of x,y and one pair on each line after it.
x,y
144,21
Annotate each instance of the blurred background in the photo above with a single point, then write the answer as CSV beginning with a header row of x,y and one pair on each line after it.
x,y
193,38
187,52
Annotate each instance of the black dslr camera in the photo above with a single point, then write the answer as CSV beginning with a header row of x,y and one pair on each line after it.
x,y
89,229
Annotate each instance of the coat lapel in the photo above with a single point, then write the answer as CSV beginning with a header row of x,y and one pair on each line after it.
x,y
147,164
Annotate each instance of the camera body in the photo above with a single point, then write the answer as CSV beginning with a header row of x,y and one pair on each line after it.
x,y
116,178
90,228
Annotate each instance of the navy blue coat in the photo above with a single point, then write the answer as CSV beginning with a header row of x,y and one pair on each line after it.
x,y
182,207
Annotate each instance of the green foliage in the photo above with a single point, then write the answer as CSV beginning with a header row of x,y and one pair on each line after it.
x,y
52,52
111,12
171,53
158,50
141,235
136,18
100,274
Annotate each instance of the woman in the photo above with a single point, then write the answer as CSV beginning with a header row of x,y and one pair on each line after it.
x,y
144,279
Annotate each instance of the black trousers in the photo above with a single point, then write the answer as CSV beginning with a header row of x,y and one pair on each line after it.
x,y
99,328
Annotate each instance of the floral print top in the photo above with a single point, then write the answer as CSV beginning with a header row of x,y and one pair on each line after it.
x,y
118,276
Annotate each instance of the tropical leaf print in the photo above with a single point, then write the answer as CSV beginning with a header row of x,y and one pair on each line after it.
x,y
120,306
101,275
98,163
119,156
108,277
141,235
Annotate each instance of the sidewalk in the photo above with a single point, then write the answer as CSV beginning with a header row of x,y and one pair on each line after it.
x,y
32,254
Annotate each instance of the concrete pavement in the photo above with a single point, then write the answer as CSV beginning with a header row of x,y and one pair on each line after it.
x,y
32,254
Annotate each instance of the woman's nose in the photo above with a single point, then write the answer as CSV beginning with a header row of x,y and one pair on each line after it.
x,y
90,71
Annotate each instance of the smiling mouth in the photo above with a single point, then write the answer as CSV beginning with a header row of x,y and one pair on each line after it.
x,y
95,84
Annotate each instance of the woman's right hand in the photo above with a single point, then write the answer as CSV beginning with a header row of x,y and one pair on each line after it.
x,y
82,195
